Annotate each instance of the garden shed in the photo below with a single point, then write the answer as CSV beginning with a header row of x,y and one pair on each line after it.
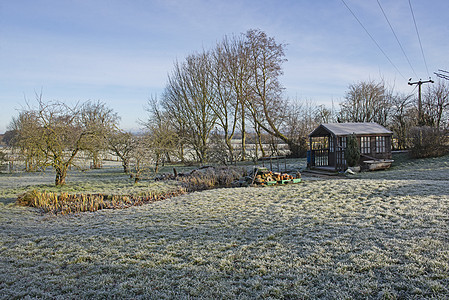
x,y
327,144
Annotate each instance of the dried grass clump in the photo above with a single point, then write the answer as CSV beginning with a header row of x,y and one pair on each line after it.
x,y
211,177
65,203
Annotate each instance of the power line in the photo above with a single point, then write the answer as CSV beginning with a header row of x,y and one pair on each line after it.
x,y
372,38
441,75
394,33
419,38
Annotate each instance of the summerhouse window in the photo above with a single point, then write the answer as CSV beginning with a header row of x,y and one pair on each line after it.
x,y
331,144
343,142
365,146
380,144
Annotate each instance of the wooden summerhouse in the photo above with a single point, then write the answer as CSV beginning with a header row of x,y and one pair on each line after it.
x,y
327,144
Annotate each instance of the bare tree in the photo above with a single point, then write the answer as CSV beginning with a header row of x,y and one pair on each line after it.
x,y
140,157
122,144
436,105
236,67
97,117
26,131
58,132
10,135
325,115
403,118
162,137
302,118
190,91
236,82
225,104
173,108
366,102
267,106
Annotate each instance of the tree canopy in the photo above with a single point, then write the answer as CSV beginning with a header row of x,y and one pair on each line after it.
x,y
53,133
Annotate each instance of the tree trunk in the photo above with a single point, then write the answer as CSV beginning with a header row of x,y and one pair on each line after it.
x,y
167,157
125,164
181,152
96,161
156,168
230,149
61,174
243,134
257,149
259,140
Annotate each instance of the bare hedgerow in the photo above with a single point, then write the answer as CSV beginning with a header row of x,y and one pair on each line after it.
x,y
428,142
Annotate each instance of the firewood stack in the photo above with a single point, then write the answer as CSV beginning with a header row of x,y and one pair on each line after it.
x,y
263,177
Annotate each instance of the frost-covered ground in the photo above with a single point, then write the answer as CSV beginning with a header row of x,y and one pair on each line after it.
x,y
377,235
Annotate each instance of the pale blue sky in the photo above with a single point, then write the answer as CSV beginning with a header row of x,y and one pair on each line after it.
x,y
120,52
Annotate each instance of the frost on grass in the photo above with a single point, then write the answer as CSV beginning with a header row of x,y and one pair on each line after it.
x,y
361,238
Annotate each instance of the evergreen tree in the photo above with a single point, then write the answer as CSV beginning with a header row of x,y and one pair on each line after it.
x,y
352,152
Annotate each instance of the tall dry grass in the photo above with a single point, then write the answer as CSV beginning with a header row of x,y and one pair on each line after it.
x,y
65,203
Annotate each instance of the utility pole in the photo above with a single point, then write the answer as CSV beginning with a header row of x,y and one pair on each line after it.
x,y
420,114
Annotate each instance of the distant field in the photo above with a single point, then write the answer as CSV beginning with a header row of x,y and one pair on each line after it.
x,y
382,235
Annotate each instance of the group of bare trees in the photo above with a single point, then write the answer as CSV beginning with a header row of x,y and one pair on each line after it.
x,y
373,101
53,134
366,101
232,89
436,105
212,99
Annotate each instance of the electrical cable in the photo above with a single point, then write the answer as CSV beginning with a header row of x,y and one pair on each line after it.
x,y
397,39
441,75
419,38
372,38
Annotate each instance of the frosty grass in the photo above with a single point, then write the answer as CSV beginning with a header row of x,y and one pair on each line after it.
x,y
382,235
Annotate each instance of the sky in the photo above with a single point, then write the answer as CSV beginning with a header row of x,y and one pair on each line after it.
x,y
120,52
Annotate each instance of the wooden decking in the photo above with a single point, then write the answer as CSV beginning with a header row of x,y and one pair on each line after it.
x,y
322,171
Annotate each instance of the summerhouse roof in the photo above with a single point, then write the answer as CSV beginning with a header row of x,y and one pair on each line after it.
x,y
342,129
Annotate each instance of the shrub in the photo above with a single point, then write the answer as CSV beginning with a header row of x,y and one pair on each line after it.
x,y
211,177
3,157
428,142
352,152
218,152
298,148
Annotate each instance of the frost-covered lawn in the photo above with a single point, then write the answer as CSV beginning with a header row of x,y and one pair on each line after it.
x,y
378,235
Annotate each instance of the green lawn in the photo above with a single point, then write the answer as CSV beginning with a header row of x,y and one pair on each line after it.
x,y
382,235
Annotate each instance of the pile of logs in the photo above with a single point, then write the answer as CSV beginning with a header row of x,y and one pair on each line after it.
x,y
262,176
270,177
